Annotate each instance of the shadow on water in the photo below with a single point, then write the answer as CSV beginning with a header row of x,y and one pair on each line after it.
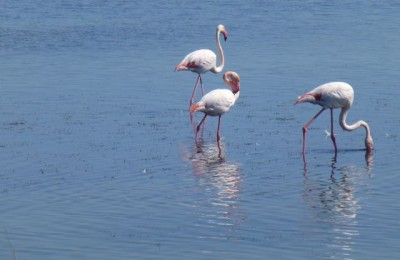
x,y
334,201
220,181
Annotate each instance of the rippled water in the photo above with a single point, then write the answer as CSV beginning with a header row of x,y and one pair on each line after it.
x,y
98,153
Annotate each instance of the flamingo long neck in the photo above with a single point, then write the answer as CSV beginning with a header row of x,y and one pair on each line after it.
x,y
235,90
345,126
221,55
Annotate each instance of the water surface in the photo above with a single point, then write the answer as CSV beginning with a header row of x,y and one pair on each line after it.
x,y
98,153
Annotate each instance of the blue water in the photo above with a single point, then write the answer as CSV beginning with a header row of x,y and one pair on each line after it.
x,y
98,154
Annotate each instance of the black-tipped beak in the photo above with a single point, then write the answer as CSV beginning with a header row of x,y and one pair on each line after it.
x,y
225,38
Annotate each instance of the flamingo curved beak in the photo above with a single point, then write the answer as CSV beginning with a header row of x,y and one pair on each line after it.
x,y
225,33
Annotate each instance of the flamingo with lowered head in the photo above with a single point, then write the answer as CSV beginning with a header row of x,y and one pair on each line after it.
x,y
334,95
204,60
218,101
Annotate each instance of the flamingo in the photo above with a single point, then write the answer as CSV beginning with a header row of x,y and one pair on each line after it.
x,y
204,60
334,95
218,101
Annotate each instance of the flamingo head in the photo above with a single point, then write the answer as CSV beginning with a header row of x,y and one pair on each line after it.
x,y
221,29
233,80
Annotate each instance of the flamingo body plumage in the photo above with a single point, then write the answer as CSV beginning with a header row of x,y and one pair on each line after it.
x,y
200,61
204,60
218,101
215,103
330,95
334,95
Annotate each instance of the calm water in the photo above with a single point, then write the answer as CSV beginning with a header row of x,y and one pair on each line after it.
x,y
97,152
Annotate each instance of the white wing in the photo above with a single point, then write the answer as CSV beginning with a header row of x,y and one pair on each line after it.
x,y
218,101
200,61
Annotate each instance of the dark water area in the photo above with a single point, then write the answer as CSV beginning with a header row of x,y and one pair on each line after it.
x,y
98,154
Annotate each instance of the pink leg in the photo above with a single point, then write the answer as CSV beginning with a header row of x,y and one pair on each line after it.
x,y
219,150
194,90
218,133
332,134
198,127
202,87
305,130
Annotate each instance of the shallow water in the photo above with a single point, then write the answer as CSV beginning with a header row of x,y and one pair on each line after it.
x,y
98,153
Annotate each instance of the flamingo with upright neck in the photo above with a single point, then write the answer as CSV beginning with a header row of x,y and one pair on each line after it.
x,y
334,95
204,60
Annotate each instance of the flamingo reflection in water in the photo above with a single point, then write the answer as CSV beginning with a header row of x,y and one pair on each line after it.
x,y
220,180
333,201
369,159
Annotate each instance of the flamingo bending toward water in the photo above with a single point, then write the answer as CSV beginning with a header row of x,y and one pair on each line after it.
x,y
218,101
204,60
334,95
